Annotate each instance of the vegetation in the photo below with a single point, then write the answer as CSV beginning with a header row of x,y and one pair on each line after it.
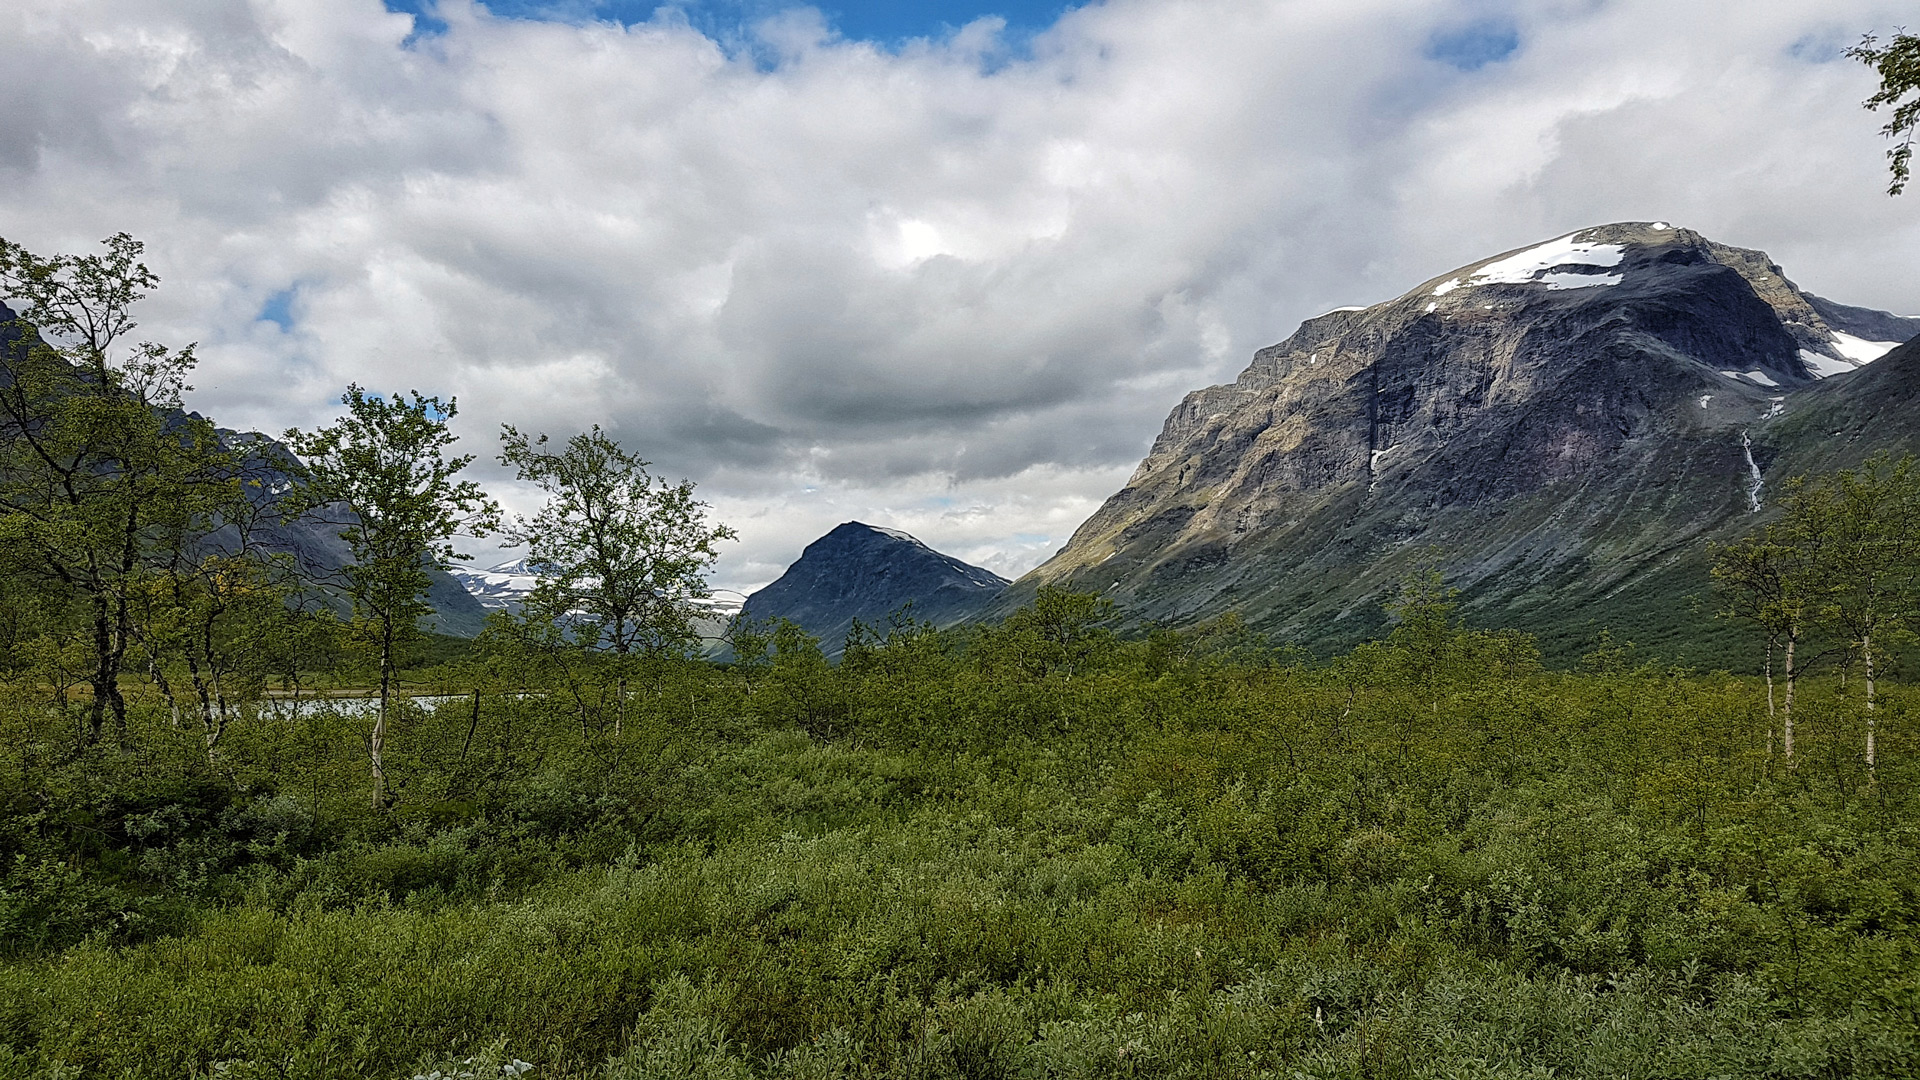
x,y
1045,848
1842,568
1184,855
380,474
101,474
619,559
1898,65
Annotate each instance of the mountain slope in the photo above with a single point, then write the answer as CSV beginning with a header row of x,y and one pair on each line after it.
x,y
1559,428
314,544
860,571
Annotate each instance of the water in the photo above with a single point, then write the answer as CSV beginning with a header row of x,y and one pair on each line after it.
x,y
288,709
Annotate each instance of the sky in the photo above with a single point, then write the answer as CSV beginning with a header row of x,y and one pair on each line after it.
x,y
889,24
941,267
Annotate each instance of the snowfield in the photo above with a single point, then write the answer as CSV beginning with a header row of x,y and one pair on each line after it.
x,y
1533,266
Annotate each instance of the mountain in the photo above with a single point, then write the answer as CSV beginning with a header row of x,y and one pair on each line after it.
x,y
1559,429
319,553
314,543
865,572
502,587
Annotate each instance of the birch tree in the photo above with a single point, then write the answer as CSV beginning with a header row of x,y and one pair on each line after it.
x,y
1862,528
1768,580
383,475
619,557
97,456
1898,64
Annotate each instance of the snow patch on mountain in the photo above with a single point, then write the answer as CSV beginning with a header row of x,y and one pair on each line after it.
x,y
1860,350
1534,265
506,586
503,587
1579,281
1854,353
721,607
1824,366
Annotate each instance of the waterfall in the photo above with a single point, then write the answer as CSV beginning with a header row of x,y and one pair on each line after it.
x,y
1754,482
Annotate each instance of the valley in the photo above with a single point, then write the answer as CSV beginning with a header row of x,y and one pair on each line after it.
x,y
1380,726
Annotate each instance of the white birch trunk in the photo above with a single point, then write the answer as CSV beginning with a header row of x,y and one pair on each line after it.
x,y
1770,713
1866,651
377,742
1786,713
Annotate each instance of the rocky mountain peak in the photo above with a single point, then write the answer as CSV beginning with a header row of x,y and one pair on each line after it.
x,y
865,572
1559,387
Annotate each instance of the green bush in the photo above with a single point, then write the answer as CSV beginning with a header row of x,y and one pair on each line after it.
x,y
1161,859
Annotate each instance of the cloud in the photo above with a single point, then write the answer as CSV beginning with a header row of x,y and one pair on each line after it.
x,y
831,280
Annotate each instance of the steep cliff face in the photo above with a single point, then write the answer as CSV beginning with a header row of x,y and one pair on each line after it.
x,y
1558,427
864,572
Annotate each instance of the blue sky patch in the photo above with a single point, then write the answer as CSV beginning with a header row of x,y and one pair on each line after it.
x,y
1475,45
1818,48
278,310
888,23
424,21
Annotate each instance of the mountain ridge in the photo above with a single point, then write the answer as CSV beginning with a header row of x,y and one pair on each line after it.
x,y
314,544
1549,425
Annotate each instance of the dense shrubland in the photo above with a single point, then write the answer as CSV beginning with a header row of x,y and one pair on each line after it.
x,y
1032,851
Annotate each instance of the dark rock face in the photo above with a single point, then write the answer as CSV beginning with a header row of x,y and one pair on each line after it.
x,y
859,571
1560,428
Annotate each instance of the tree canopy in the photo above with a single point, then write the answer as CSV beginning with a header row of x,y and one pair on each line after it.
x,y
383,476
1898,64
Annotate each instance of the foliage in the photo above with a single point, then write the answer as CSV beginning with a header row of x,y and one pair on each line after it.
x,y
1898,65
383,473
618,558
111,496
1860,538
1037,849
619,562
1060,633
1841,567
1159,857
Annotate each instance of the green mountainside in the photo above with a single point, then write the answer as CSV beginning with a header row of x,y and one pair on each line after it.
x,y
1560,430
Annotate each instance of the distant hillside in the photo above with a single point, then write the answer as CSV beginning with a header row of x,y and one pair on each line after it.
x,y
505,587
1562,428
315,544
864,572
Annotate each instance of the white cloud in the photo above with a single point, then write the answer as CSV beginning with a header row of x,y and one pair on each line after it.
x,y
949,289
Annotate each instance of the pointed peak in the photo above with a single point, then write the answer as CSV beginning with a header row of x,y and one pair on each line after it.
x,y
852,530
